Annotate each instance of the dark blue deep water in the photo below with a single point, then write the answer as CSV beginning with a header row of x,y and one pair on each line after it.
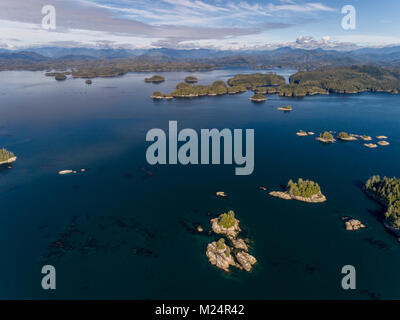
x,y
126,226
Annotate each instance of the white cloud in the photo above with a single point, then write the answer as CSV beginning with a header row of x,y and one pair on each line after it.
x,y
370,39
294,7
34,35
198,12
183,23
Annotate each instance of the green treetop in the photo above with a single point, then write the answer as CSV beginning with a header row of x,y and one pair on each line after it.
x,y
327,136
258,96
6,155
303,188
343,135
227,220
221,244
191,79
158,94
155,79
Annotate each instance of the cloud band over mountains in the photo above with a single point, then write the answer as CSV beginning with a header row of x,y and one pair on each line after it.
x,y
159,23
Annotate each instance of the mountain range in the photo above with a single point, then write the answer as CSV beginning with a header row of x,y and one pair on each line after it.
x,y
281,57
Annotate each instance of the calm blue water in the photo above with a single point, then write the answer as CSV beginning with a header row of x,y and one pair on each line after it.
x,y
126,226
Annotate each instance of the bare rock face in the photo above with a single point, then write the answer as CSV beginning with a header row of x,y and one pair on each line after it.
x,y
286,196
354,224
245,260
240,244
280,194
231,232
221,258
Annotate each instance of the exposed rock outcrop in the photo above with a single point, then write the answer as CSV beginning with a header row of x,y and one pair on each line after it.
x,y
236,253
221,258
354,224
246,260
230,232
240,244
316,198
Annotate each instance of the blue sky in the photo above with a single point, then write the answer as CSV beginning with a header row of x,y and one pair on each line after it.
x,y
232,24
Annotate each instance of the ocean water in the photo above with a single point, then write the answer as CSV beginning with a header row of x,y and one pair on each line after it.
x,y
127,227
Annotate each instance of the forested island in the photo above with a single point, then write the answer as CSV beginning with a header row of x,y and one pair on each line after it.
x,y
332,75
94,68
155,79
326,137
285,108
186,90
157,95
302,190
258,97
120,67
353,79
387,192
256,80
191,79
7,156
60,77
346,137
237,84
344,80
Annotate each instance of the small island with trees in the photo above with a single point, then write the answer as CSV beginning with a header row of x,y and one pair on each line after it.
x,y
154,79
7,156
344,80
258,97
285,108
326,137
302,190
186,90
157,95
60,77
256,80
231,250
238,84
386,191
346,137
191,79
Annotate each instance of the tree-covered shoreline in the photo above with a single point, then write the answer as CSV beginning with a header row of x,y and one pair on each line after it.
x,y
343,80
387,192
6,156
302,190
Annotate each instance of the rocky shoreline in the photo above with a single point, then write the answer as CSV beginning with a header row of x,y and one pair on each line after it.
x,y
236,254
325,140
371,145
316,198
11,160
385,204
352,224
285,108
258,100
349,138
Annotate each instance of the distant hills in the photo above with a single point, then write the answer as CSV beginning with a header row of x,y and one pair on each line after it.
x,y
57,52
301,59
22,55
